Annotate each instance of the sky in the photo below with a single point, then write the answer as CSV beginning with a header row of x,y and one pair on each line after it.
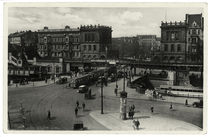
x,y
124,21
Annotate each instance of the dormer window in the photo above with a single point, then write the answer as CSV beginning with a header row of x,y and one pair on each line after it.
x,y
194,24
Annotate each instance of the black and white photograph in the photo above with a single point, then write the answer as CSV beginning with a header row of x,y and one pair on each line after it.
x,y
111,67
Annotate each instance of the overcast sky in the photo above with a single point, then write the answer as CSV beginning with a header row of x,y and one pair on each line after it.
x,y
124,21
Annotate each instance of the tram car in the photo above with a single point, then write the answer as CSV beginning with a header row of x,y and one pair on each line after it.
x,y
87,79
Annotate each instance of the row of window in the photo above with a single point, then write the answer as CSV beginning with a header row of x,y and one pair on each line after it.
x,y
89,37
60,47
178,48
89,47
42,47
60,54
194,31
172,36
76,54
193,40
62,39
89,56
43,53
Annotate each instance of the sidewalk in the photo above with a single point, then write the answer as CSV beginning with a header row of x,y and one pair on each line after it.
x,y
148,122
109,91
34,84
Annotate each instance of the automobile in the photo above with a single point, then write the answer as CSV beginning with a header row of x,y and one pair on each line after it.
x,y
198,104
83,89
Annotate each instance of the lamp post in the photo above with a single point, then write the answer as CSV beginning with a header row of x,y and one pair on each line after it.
x,y
102,80
123,101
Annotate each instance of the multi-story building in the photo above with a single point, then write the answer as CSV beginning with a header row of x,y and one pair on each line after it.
x,y
86,42
147,43
194,38
173,41
181,42
58,43
23,38
95,41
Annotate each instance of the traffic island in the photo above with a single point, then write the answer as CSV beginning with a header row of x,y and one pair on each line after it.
x,y
148,122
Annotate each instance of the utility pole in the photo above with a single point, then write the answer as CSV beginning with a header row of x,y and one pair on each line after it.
x,y
102,80
123,101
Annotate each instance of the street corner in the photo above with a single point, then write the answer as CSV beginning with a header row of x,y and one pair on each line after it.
x,y
148,122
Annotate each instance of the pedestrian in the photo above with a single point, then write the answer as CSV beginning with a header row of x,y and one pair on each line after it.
x,y
132,114
77,103
76,111
152,109
133,107
115,91
45,80
171,106
186,102
137,124
83,106
49,115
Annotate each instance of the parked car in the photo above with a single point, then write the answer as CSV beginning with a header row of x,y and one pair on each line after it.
x,y
198,104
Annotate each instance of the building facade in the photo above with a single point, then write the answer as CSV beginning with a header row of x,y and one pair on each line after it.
x,y
194,38
23,38
58,43
86,42
147,44
181,42
95,41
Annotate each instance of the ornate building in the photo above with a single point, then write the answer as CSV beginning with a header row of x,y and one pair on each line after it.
x,y
181,42
58,43
86,42
95,41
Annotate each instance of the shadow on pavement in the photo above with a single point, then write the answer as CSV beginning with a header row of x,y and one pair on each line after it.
x,y
86,110
141,117
52,118
80,116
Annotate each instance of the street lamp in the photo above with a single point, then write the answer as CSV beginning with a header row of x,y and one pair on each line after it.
x,y
102,81
123,101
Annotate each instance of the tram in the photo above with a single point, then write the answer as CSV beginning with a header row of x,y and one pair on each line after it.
x,y
87,79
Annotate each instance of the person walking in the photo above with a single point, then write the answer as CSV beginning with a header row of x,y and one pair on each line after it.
x,y
186,102
133,107
137,124
83,106
171,106
115,91
77,103
49,115
152,109
76,111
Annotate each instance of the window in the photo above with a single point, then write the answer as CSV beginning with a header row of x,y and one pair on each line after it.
x,y
165,47
193,31
94,47
172,47
194,40
89,47
45,39
77,46
178,48
198,32
189,39
172,36
84,47
194,50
